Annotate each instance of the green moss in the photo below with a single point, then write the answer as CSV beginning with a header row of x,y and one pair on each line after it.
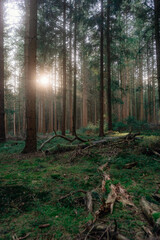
x,y
156,216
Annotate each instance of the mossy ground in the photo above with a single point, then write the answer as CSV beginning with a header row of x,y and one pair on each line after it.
x,y
30,186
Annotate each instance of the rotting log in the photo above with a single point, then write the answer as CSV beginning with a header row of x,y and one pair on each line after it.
x,y
106,140
64,148
152,215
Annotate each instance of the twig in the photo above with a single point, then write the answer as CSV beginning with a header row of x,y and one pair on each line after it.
x,y
106,231
156,153
27,235
89,232
71,194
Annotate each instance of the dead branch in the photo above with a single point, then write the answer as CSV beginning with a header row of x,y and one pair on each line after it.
x,y
89,202
149,212
156,153
130,165
63,137
89,232
156,197
27,235
147,231
71,194
44,225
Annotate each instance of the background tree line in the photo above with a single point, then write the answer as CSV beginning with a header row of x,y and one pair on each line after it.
x,y
98,62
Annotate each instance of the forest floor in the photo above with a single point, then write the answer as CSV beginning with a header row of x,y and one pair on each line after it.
x,y
32,188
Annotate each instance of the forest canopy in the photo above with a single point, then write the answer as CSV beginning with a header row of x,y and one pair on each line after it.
x,y
97,62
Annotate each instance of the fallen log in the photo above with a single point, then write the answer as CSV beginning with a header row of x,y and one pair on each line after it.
x,y
104,141
64,148
71,140
151,214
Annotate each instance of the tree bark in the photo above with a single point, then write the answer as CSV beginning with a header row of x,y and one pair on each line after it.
x,y
109,97
55,99
2,112
64,70
84,93
70,72
31,140
26,40
101,127
141,116
157,38
75,74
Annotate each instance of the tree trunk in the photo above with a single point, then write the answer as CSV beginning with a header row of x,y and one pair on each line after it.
x,y
26,40
109,97
75,74
101,127
70,72
153,85
31,140
157,38
141,87
84,93
2,112
64,70
55,99
149,88
43,112
14,119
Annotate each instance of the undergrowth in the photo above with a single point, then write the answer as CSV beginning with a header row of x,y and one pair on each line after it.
x,y
31,186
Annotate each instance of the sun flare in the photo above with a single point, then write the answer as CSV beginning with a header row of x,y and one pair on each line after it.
x,y
44,81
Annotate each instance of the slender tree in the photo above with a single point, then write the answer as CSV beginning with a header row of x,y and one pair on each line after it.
x,y
31,140
157,38
101,128
75,73
70,70
109,104
64,70
2,121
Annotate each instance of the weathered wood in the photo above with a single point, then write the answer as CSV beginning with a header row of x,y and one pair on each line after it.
x,y
156,197
130,165
150,213
64,148
89,202
63,137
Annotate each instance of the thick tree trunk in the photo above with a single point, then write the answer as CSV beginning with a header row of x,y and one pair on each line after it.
x,y
26,40
109,97
2,121
70,72
31,140
101,127
64,70
157,38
